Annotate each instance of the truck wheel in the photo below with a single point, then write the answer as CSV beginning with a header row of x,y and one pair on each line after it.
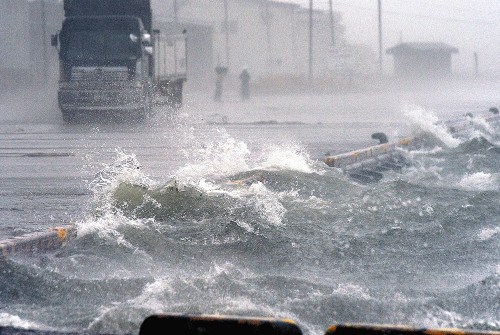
x,y
68,115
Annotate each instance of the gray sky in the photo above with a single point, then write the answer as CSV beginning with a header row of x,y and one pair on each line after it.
x,y
469,25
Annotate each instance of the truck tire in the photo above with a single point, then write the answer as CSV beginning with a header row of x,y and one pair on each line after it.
x,y
68,115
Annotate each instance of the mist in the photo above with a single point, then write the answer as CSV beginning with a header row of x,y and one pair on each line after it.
x,y
260,158
470,26
272,40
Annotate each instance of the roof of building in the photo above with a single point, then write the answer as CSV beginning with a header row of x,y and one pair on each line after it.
x,y
422,46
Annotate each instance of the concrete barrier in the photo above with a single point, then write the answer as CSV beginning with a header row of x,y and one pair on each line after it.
x,y
38,242
370,155
378,155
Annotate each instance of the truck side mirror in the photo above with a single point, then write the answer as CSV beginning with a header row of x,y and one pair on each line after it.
x,y
54,40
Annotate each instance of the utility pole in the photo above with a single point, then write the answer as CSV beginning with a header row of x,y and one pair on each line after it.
x,y
44,40
226,29
268,38
380,61
476,64
310,40
332,25
176,18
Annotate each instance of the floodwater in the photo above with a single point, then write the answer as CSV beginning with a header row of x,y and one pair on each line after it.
x,y
228,208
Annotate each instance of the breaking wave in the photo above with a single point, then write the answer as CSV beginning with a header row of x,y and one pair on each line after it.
x,y
425,121
271,232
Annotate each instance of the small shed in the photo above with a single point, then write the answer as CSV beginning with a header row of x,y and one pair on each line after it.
x,y
422,59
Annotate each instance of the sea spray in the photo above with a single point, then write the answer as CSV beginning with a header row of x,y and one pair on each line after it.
x,y
479,181
426,121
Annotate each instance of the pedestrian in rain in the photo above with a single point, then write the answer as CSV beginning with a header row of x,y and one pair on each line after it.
x,y
221,72
245,84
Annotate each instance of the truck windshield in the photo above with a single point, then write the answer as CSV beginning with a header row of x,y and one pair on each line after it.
x,y
101,39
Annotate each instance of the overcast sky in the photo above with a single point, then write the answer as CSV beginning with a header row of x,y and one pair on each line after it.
x,y
469,25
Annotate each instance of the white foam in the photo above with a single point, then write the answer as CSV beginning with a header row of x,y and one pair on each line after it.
x,y
267,204
428,122
488,233
290,157
153,295
479,181
215,160
439,317
9,320
227,156
483,124
125,169
352,290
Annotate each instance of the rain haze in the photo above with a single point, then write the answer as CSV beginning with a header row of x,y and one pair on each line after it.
x,y
306,163
470,26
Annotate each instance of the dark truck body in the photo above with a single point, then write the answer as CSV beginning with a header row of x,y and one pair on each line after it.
x,y
113,59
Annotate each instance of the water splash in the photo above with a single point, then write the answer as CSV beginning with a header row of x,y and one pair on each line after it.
x,y
215,160
125,169
426,121
488,233
9,320
292,157
106,217
227,156
479,181
267,204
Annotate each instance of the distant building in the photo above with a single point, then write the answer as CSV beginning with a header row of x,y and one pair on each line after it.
x,y
25,29
422,59
270,38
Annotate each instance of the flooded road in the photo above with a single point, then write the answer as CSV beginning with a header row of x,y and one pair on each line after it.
x,y
46,163
228,208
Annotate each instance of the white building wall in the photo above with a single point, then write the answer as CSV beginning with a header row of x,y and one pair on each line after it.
x,y
249,45
268,37
14,35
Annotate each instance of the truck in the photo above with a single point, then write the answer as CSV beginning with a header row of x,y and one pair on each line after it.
x,y
113,59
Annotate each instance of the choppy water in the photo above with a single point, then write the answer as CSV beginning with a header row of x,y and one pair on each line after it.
x,y
269,230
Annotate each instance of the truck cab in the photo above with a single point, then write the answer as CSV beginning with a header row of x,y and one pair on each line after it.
x,y
104,65
110,62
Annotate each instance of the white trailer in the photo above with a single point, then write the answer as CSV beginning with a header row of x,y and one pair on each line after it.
x,y
170,67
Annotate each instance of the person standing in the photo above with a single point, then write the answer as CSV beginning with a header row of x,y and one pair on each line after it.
x,y
245,84
221,73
